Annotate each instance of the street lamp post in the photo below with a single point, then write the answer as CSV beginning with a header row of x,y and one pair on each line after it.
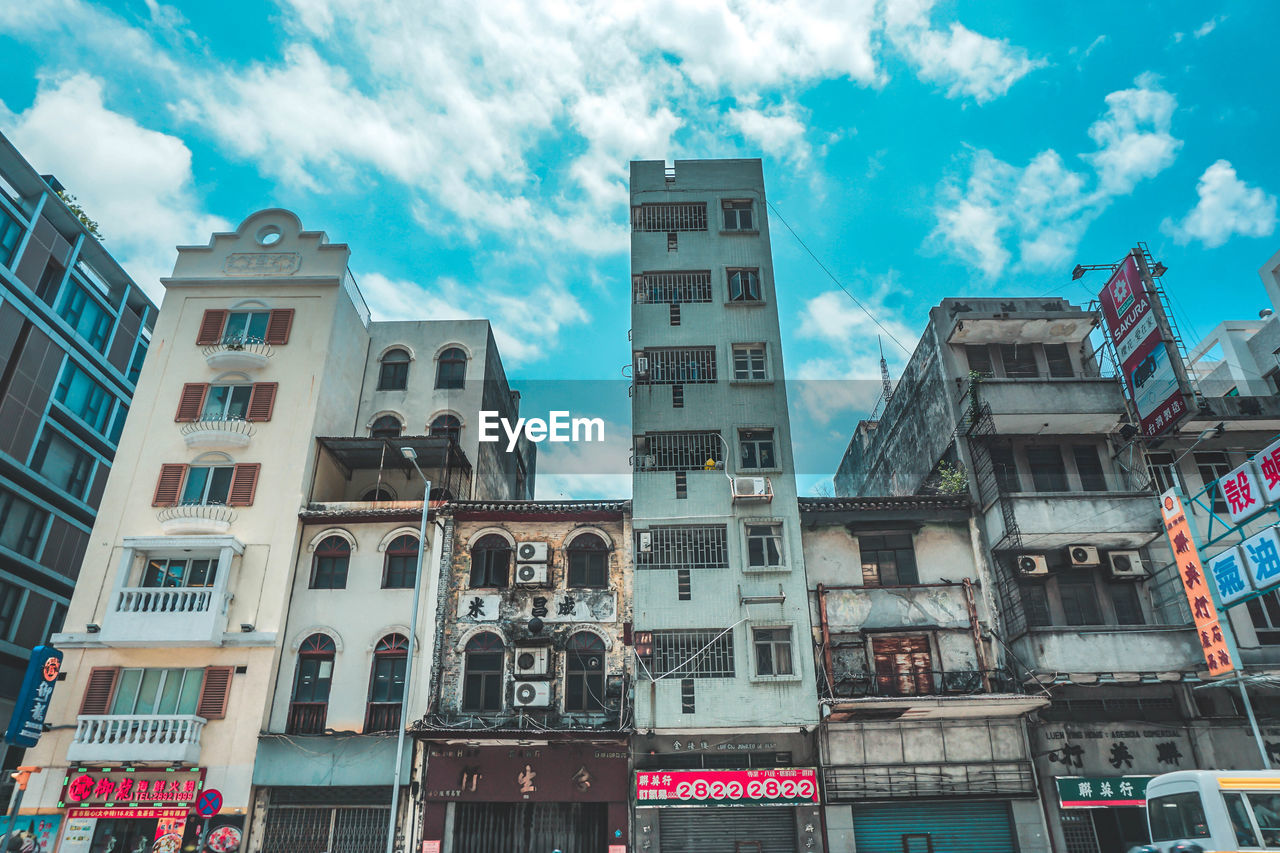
x,y
412,455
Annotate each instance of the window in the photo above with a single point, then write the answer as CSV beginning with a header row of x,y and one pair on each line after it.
x,y
207,484
677,216
157,691
50,281
245,327
226,403
888,560
330,562
1048,471
86,399
401,564
1019,361
1089,467
63,462
748,361
764,545
903,665
757,448
1212,465
979,358
386,426
699,653
1177,816
1059,361
135,365
21,524
451,369
83,313
10,603
1164,475
584,673
1127,604
687,365
1240,823
311,685
588,561
380,493
490,562
482,681
744,285
1035,604
1079,597
164,572
674,286
386,684
773,650
1264,612
737,216
1266,811
10,235
684,547
687,700
1006,469
446,426
393,375
117,423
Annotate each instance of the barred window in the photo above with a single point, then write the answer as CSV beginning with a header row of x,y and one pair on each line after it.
x,y
683,365
678,451
681,216
674,287
700,653
686,547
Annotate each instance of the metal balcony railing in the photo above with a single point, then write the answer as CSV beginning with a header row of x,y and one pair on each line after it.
x,y
920,682
307,718
676,366
680,216
238,352
672,287
238,426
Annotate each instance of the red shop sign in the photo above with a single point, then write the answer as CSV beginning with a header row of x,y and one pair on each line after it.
x,y
89,787
781,787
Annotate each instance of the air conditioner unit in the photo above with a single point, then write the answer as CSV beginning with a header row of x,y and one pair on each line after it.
x,y
645,542
533,694
531,552
532,661
642,365
750,487
1032,565
531,574
1083,556
1126,564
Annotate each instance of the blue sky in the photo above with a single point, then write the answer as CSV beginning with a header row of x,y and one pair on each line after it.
x,y
475,155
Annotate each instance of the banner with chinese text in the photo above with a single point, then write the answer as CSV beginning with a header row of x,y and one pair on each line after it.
x,y
1191,572
779,787
1092,792
88,787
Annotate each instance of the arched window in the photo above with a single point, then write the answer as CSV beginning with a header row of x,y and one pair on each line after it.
x,y
584,673
386,684
451,369
482,683
387,426
400,566
588,561
329,565
379,493
490,562
446,426
311,683
394,373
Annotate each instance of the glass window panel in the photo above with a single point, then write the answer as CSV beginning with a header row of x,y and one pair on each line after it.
x,y
171,687
126,691
1059,360
148,691
1089,467
189,698
1048,470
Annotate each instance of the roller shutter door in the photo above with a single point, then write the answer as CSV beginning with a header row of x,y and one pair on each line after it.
x,y
720,830
952,827
529,827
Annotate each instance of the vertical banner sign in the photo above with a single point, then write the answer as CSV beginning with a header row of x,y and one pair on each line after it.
x,y
1130,314
1191,571
27,722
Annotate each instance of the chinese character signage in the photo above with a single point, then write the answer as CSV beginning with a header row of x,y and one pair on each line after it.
x,y
1261,554
547,773
27,722
1191,571
1093,792
1268,463
99,788
1130,315
781,787
1242,493
1228,573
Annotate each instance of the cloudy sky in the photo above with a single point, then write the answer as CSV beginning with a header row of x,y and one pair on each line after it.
x,y
475,155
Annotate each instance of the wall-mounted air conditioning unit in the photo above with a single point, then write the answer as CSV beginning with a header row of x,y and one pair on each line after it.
x,y
750,487
531,552
1032,565
531,574
532,661
533,694
1083,556
1126,564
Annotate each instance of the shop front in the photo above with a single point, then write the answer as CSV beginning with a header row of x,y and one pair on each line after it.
x,y
525,797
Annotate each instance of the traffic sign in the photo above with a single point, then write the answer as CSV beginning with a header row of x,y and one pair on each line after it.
x,y
209,802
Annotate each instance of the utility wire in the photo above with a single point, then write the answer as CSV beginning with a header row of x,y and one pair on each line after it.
x,y
831,275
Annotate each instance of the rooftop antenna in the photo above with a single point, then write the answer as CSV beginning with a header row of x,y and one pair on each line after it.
x,y
884,372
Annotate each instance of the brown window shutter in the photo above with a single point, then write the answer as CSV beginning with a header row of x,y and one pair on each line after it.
x,y
169,484
191,402
278,326
244,483
211,327
214,692
262,401
100,690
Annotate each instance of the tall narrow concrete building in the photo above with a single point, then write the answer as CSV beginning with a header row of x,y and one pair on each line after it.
x,y
725,679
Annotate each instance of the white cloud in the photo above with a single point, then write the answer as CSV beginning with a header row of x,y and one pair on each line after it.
x,y
778,130
1208,26
135,182
585,470
1133,138
1226,206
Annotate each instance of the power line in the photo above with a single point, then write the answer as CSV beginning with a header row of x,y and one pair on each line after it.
x,y
831,276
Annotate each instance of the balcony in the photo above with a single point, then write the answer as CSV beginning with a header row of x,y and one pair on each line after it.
x,y
199,519
921,693
307,718
141,616
349,469
1110,649
217,434
238,355
1111,520
127,739
1069,406
382,718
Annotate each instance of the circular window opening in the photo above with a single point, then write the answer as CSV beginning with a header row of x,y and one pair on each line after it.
x,y
269,235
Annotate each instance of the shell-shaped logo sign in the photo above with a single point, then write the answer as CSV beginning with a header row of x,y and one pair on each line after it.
x,y
1168,503
50,669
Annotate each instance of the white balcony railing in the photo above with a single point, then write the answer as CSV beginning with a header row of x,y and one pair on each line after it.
x,y
137,737
167,600
176,615
229,432
196,518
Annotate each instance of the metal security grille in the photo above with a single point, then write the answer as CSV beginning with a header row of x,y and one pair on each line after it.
x,y
704,547
909,782
692,654
529,827
1078,832
686,216
686,365
729,830
326,829
677,451
673,287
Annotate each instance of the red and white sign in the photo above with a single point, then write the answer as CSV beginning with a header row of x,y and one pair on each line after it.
x,y
778,787
1242,492
105,787
1268,462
